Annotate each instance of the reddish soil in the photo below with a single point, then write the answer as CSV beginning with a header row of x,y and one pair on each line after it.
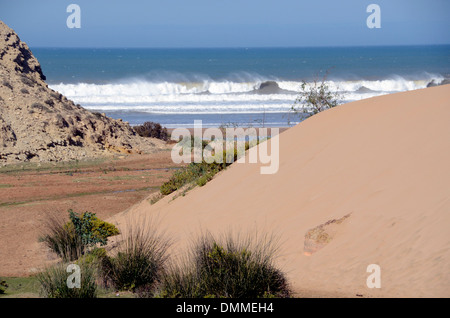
x,y
105,187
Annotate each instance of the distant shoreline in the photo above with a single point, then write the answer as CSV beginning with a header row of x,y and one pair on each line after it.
x,y
269,129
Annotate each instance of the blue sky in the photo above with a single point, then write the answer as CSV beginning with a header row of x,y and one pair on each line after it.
x,y
227,23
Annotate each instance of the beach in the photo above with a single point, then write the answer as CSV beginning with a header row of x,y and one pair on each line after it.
x,y
231,86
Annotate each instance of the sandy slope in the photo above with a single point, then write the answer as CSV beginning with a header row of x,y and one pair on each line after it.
x,y
383,161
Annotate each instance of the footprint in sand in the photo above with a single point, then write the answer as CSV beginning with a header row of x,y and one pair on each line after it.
x,y
321,235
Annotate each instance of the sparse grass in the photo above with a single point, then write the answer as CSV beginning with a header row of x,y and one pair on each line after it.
x,y
75,195
29,287
231,268
200,173
182,191
189,174
21,287
53,282
117,178
155,198
61,238
3,286
139,261
58,167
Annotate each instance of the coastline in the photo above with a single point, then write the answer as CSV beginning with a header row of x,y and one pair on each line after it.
x,y
258,129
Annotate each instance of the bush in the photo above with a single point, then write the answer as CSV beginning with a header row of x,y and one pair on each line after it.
x,y
27,81
199,173
61,238
50,102
69,240
61,122
97,115
94,256
91,229
202,180
139,261
53,282
236,268
3,286
7,84
41,107
56,95
151,129
314,98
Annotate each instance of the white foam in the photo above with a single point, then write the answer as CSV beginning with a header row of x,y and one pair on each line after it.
x,y
208,96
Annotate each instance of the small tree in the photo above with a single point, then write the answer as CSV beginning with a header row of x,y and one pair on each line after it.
x,y
314,98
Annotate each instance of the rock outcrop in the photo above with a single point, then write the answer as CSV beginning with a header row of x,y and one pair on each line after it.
x,y
433,83
39,124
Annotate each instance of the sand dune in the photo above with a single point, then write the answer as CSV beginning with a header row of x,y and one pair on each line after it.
x,y
365,183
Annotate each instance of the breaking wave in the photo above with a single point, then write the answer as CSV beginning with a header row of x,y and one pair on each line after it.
x,y
227,96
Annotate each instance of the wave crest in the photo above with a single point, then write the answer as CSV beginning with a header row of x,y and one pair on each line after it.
x,y
220,96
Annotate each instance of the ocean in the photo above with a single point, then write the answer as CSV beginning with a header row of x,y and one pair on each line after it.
x,y
235,86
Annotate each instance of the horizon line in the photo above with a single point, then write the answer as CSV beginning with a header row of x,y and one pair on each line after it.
x,y
238,47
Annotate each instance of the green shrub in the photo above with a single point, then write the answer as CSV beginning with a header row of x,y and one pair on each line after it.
x,y
236,268
53,282
151,129
195,172
91,229
202,181
139,261
3,286
187,175
201,173
94,256
69,240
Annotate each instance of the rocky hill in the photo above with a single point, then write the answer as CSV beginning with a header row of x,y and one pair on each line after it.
x,y
39,124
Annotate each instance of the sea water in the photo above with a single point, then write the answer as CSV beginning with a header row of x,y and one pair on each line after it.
x,y
235,86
